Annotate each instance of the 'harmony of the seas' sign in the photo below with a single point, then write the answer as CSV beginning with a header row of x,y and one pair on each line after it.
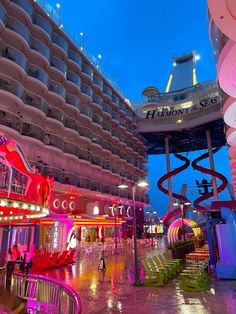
x,y
165,112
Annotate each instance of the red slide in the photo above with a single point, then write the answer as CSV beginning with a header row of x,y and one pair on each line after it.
x,y
220,188
167,217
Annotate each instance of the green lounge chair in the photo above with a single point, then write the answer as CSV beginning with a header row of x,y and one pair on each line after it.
x,y
162,270
176,263
171,269
154,279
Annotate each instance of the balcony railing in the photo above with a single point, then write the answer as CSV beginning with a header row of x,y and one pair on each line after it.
x,y
56,114
74,78
58,64
40,47
35,101
75,57
19,28
60,41
43,23
2,14
25,5
86,89
10,120
38,73
56,88
34,131
11,86
97,81
87,70
15,56
72,100
46,294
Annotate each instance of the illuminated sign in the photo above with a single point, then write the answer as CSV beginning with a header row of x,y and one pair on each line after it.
x,y
166,112
55,234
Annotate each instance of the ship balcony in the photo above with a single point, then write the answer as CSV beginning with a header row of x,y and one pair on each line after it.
x,y
60,42
54,141
97,101
74,78
70,148
107,110
3,16
15,56
107,92
72,100
86,69
25,6
86,112
38,74
55,113
97,81
35,101
56,88
115,100
10,120
19,28
33,131
40,47
11,86
73,56
59,65
71,124
43,24
96,118
86,91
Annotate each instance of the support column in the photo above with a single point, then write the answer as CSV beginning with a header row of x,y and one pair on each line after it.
x,y
212,166
167,150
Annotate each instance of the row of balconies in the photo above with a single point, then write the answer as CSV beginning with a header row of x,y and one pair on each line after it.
x,y
28,129
86,183
57,114
57,39
14,55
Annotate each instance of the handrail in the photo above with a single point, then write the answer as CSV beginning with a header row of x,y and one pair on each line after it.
x,y
47,292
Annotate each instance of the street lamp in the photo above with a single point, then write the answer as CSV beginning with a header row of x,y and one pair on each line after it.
x,y
82,40
143,184
99,65
181,205
58,5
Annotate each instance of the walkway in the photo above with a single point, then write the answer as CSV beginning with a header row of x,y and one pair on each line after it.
x,y
112,292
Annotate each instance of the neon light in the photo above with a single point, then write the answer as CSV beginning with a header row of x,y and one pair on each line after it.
x,y
55,235
168,84
172,234
194,77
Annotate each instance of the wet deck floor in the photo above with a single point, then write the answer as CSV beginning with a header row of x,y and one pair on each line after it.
x,y
112,291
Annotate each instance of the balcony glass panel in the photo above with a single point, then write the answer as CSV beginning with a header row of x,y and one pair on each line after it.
x,y
97,99
39,46
96,139
97,118
54,140
11,120
95,186
25,5
114,115
14,55
55,113
84,154
60,41
19,28
2,14
33,131
96,160
107,91
38,73
86,110
86,89
106,165
72,77
72,100
35,101
43,23
87,70
12,86
75,57
115,99
71,124
56,88
97,81
106,126
122,106
58,64
84,183
70,148
85,132
106,108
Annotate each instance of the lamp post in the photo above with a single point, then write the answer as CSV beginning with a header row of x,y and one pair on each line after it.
x,y
181,205
82,40
137,281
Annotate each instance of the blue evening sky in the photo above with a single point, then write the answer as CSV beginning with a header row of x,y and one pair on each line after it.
x,y
137,40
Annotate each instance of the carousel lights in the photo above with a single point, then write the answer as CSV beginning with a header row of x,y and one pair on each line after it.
x,y
3,203
15,205
25,206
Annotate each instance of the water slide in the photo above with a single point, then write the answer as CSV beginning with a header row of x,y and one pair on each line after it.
x,y
168,216
219,176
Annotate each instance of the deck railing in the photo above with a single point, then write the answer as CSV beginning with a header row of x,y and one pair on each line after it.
x,y
46,294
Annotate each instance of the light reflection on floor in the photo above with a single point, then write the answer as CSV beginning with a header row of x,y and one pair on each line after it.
x,y
112,291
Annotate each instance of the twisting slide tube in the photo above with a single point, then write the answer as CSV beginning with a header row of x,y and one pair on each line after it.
x,y
167,217
220,188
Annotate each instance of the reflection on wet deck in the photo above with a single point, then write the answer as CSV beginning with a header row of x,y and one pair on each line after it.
x,y
112,291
